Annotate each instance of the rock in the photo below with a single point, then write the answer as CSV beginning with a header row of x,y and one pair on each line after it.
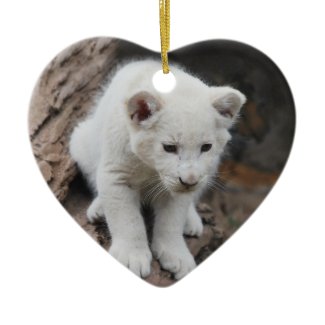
x,y
46,170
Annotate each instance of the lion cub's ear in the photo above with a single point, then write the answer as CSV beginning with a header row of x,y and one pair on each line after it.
x,y
142,107
228,102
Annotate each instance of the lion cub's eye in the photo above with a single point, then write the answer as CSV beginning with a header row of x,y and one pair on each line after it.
x,y
206,147
171,148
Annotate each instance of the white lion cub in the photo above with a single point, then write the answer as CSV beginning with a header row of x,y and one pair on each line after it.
x,y
142,145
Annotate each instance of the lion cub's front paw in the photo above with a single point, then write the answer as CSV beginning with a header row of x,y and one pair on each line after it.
x,y
193,225
174,257
138,260
95,210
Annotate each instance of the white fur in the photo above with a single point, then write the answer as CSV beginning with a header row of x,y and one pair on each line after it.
x,y
123,158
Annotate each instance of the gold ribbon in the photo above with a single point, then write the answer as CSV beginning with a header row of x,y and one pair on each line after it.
x,y
164,18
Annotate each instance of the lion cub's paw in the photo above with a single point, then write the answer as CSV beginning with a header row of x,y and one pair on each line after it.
x,y
95,211
174,257
138,260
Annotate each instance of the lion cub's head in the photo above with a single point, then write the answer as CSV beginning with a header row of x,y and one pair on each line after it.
x,y
181,134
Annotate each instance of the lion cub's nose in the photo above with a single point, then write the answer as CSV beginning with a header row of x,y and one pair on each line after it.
x,y
188,183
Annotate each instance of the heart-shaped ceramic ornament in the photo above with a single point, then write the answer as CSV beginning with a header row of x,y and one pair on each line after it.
x,y
161,179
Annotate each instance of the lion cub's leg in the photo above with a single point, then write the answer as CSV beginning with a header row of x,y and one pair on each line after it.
x,y
193,225
168,244
121,206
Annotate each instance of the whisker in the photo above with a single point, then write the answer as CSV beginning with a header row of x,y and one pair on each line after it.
x,y
216,184
149,194
162,189
171,181
149,182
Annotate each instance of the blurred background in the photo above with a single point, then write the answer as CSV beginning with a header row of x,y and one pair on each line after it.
x,y
253,161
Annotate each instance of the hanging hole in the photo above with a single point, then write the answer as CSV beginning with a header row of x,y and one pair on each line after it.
x,y
164,82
